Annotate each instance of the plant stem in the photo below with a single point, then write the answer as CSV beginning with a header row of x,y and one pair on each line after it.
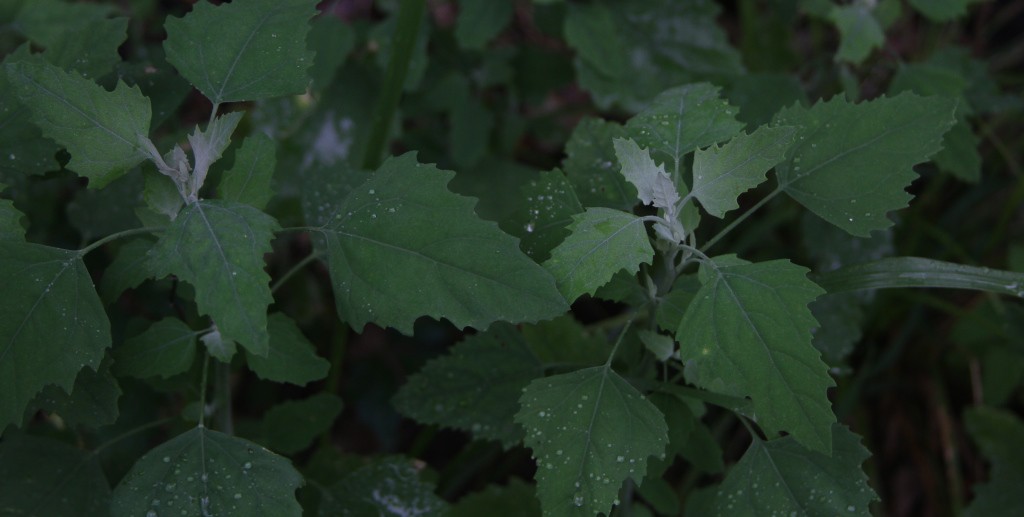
x,y
114,236
295,269
615,349
407,29
202,390
222,390
740,219
339,346
129,433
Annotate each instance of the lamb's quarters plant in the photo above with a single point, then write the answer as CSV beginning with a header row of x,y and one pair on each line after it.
x,y
212,274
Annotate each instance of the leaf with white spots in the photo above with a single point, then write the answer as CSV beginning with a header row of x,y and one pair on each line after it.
x,y
590,430
592,168
780,477
52,323
541,222
243,51
205,472
218,247
42,477
387,487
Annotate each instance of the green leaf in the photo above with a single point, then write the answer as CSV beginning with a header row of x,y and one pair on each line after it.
x,y
291,357
541,223
218,247
516,499
682,119
292,426
721,174
332,39
91,402
998,434
387,487
101,212
471,126
243,51
127,270
161,195
673,305
942,10
898,272
592,167
248,181
747,333
10,221
759,96
653,186
602,242
208,145
205,472
52,323
589,431
780,477
592,30
42,477
480,21
564,340
101,129
661,346
402,246
475,388
852,162
859,31
166,348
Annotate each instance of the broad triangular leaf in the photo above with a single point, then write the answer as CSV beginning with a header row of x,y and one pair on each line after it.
x,y
653,186
243,51
101,129
291,357
248,181
590,430
780,477
747,333
721,174
388,487
602,242
52,323
682,119
291,426
166,348
218,247
42,477
476,388
205,472
402,246
852,161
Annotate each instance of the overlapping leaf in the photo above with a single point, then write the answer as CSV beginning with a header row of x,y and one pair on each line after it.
x,y
653,185
291,357
402,246
592,168
852,161
52,323
91,402
166,348
541,223
589,431
218,247
248,181
747,333
243,51
721,174
41,477
205,472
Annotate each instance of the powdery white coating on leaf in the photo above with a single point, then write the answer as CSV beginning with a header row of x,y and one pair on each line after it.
x,y
653,186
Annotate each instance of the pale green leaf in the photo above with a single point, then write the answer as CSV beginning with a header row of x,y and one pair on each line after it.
x,y
101,129
721,174
602,242
218,346
590,430
291,426
541,222
205,472
859,31
852,162
166,348
747,333
52,323
291,357
127,270
387,487
515,499
42,477
682,119
161,194
653,186
243,51
91,402
402,246
480,21
998,434
218,247
942,10
780,477
208,145
475,388
660,345
248,181
592,168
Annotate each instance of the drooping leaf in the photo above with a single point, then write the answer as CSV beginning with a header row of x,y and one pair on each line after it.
x,y
40,477
402,246
248,181
101,129
942,10
747,333
127,270
653,185
721,174
291,357
480,21
852,161
541,223
516,499
387,487
52,323
859,31
205,472
476,388
592,167
91,402
780,477
590,430
218,247
243,51
291,426
602,242
998,434
166,348
682,119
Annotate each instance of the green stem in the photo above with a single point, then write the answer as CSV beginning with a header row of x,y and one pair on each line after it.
x,y
407,28
130,433
338,349
202,390
615,349
764,201
114,236
222,388
295,269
